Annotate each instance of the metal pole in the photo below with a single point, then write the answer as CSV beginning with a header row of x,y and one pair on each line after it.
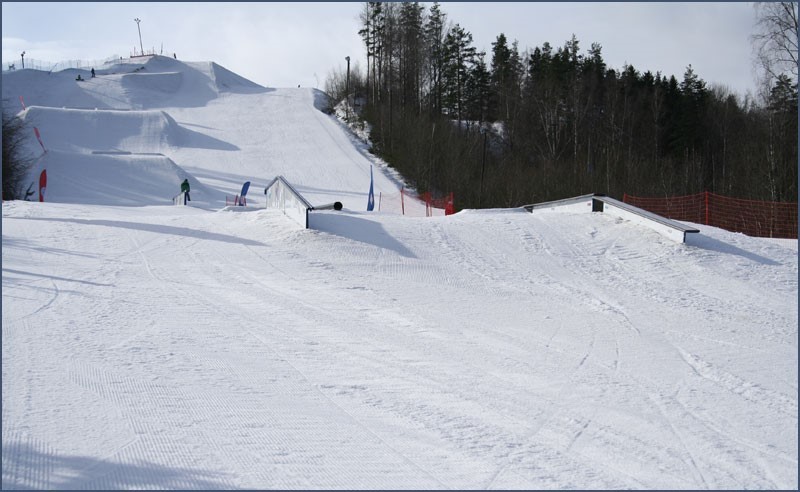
x,y
483,166
23,59
347,86
138,20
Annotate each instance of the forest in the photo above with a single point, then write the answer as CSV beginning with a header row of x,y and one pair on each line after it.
x,y
514,127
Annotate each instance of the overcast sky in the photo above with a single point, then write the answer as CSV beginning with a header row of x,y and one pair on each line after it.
x,y
286,44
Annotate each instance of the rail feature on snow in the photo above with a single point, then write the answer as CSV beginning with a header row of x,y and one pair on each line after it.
x,y
600,203
180,199
282,196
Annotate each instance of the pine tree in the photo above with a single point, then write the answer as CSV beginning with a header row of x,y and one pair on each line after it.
x,y
477,97
782,150
501,75
459,55
570,123
693,89
434,35
411,54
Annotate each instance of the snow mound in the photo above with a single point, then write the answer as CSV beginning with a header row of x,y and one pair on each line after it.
x,y
131,83
164,81
161,82
227,81
86,131
216,76
59,89
123,65
115,179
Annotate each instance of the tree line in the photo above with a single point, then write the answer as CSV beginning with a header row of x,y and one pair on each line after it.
x,y
514,127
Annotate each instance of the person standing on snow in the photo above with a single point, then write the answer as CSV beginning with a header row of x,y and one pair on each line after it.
x,y
93,73
185,189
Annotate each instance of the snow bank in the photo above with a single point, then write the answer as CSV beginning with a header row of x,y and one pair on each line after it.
x,y
85,131
124,180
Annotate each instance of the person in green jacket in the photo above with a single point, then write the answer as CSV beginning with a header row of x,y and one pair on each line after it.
x,y
185,189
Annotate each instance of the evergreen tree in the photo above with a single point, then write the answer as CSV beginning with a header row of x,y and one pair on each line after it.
x,y
477,91
434,35
593,86
782,149
501,76
693,89
372,32
570,124
459,55
411,54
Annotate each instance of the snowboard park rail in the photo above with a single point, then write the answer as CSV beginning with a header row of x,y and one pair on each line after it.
x,y
282,196
595,202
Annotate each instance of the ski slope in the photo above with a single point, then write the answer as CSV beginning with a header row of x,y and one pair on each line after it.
x,y
218,128
212,347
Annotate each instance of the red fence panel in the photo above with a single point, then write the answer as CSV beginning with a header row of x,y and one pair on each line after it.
x,y
751,217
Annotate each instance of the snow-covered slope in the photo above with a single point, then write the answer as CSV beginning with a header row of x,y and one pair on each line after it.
x,y
208,347
214,125
118,179
87,131
132,83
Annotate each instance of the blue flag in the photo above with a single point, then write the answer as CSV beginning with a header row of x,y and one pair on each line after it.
x,y
371,199
241,200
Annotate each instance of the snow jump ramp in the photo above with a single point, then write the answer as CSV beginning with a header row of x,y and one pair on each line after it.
x,y
600,203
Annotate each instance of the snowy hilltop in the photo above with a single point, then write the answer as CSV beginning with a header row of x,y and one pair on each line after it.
x,y
152,346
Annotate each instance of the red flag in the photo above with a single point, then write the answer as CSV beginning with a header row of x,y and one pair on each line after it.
x,y
39,138
42,184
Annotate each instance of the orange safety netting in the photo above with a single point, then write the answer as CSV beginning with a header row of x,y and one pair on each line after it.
x,y
405,203
434,205
751,217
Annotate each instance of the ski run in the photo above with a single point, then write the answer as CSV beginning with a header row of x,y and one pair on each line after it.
x,y
150,346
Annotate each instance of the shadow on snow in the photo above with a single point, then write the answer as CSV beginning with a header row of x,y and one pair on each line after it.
x,y
159,229
28,468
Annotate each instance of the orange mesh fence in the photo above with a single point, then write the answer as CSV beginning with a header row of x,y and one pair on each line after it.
x,y
438,206
751,217
393,203
405,203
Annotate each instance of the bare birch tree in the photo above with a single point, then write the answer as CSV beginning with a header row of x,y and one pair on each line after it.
x,y
775,39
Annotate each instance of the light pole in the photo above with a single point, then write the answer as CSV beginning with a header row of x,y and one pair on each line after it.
x,y
137,21
23,59
347,86
484,130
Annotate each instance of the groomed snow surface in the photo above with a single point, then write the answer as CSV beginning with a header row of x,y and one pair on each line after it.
x,y
210,347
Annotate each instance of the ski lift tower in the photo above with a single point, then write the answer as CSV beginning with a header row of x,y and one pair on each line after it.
x,y
137,21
